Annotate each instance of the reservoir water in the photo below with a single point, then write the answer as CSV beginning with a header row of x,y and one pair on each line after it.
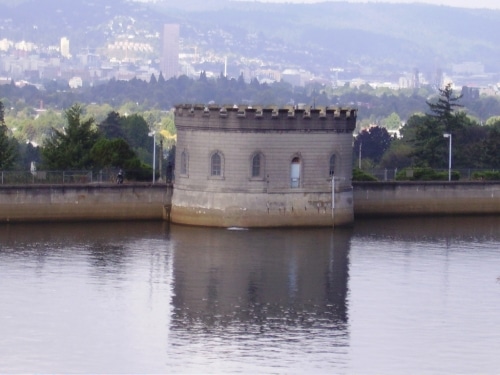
x,y
386,296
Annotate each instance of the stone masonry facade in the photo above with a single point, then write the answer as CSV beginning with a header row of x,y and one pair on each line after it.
x,y
263,167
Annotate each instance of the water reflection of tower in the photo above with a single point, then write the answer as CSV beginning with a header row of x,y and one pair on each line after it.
x,y
260,280
169,63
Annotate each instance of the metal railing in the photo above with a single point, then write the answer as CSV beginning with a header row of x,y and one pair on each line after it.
x,y
466,174
109,176
56,177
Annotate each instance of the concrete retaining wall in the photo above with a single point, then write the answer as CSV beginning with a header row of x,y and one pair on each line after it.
x,y
153,202
425,198
292,208
84,202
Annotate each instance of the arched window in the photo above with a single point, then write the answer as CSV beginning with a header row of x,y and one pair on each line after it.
x,y
184,163
257,166
216,165
295,173
332,165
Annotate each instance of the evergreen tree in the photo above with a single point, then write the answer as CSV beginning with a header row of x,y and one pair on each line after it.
x,y
2,118
111,127
491,147
374,142
7,145
70,149
28,154
443,109
113,153
425,133
161,79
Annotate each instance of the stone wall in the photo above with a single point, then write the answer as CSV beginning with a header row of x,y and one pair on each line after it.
x,y
341,120
277,149
286,209
282,137
379,199
84,202
152,202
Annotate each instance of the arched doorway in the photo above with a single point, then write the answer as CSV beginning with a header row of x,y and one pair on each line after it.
x,y
295,172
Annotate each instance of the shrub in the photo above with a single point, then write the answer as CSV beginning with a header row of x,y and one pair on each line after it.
x,y
425,174
486,175
359,175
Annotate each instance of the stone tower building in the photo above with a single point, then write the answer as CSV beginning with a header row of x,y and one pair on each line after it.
x,y
263,167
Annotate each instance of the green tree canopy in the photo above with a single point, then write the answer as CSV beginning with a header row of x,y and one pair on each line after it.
x,y
492,121
491,145
111,127
397,156
424,133
136,131
392,122
8,146
114,153
373,142
70,148
443,109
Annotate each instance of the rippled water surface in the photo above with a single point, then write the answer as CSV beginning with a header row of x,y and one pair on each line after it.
x,y
387,296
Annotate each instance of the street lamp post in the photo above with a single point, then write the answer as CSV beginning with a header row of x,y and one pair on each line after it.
x,y
449,136
359,158
333,200
153,134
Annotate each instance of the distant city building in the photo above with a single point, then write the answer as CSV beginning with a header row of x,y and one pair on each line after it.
x,y
75,82
415,79
438,78
297,77
25,46
65,48
270,74
448,81
410,80
169,63
404,82
5,44
5,80
470,92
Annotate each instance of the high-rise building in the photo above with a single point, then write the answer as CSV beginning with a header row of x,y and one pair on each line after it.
x,y
169,64
65,47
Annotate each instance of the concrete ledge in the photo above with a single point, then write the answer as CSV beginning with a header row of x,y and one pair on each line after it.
x,y
84,202
299,209
425,198
153,202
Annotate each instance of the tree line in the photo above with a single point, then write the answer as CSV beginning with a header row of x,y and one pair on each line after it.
x,y
423,142
128,110
376,105
117,142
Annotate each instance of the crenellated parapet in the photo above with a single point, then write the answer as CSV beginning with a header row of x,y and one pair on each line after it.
x,y
258,166
247,118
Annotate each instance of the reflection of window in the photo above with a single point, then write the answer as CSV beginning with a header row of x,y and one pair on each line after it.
x,y
256,165
184,162
332,165
216,165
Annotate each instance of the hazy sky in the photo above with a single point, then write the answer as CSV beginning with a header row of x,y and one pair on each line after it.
x,y
491,4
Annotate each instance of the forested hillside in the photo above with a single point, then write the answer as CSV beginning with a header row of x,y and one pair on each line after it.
x,y
386,37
